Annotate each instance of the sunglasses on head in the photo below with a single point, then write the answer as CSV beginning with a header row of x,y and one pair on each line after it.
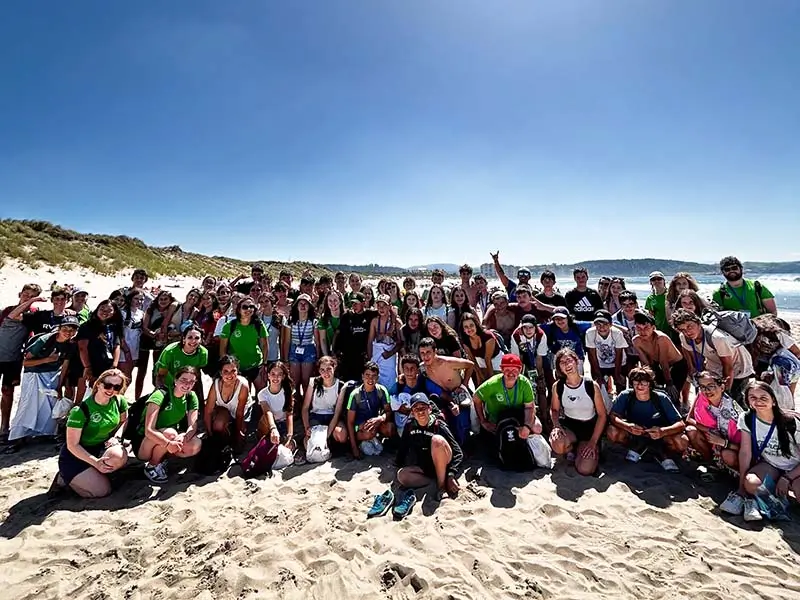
x,y
117,387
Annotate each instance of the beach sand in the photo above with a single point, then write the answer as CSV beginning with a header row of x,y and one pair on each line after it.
x,y
632,532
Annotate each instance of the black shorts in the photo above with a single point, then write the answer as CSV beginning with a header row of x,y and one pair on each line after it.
x,y
70,466
10,373
425,462
251,374
583,430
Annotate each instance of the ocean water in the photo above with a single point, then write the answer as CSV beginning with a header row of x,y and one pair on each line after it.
x,y
785,287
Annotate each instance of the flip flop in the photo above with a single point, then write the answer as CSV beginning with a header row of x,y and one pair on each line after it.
x,y
381,505
404,505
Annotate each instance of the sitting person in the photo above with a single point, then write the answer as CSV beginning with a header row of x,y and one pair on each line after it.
x,y
578,413
444,375
227,400
94,431
508,398
769,453
428,451
321,405
276,402
643,418
369,414
158,435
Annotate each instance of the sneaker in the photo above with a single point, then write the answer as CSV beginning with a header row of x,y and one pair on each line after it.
x,y
157,474
733,504
751,512
669,466
405,503
633,456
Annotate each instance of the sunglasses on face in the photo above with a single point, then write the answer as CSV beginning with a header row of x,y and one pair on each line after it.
x,y
729,269
117,387
640,381
248,307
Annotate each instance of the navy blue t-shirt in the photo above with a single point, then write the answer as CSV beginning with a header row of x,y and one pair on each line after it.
x,y
557,339
657,412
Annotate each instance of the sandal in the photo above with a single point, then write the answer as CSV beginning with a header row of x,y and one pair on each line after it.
x,y
381,505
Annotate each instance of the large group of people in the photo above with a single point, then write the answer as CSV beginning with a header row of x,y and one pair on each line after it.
x,y
514,373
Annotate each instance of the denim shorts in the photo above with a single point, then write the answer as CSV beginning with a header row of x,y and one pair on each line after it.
x,y
308,354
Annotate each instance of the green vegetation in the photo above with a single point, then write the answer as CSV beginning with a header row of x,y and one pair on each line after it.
x,y
38,243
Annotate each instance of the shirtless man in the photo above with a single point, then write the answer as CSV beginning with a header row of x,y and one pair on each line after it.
x,y
445,373
465,272
500,317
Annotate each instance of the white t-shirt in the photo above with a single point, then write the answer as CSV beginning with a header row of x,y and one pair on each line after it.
x,y
772,451
787,341
541,349
442,312
133,331
721,345
606,347
273,402
221,323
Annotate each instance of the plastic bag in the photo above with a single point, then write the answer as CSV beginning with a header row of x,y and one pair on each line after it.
x,y
317,447
541,450
285,458
61,408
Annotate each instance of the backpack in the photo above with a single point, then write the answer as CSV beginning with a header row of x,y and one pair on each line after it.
x,y
136,412
498,338
514,452
214,457
260,460
735,323
757,287
588,385
49,344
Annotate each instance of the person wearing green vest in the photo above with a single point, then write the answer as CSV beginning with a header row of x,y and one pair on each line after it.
x,y
158,434
188,352
94,438
656,303
738,293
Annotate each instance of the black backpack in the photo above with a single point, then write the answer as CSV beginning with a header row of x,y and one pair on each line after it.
x,y
215,456
136,413
514,453
588,385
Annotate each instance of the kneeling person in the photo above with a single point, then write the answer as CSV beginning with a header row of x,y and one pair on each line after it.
x,y
428,450
644,418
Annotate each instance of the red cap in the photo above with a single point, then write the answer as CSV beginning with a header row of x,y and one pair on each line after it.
x,y
511,360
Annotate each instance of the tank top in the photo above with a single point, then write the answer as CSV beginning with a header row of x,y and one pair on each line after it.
x,y
325,404
577,404
231,403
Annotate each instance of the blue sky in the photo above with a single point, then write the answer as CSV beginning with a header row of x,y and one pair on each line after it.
x,y
409,132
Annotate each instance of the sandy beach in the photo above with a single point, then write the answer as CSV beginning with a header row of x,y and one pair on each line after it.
x,y
632,532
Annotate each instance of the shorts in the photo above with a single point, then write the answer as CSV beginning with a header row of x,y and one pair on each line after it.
x,y
425,462
10,373
308,355
251,374
319,419
583,430
70,466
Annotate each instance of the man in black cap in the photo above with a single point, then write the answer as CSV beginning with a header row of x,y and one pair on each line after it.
x,y
428,450
605,346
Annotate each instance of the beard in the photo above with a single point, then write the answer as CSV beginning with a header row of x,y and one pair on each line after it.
x,y
733,275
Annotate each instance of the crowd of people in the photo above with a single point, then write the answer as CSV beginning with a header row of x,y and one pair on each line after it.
x,y
513,374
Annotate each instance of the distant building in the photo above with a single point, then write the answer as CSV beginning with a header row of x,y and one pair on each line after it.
x,y
487,270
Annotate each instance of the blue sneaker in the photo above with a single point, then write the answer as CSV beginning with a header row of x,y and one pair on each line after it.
x,y
405,503
381,505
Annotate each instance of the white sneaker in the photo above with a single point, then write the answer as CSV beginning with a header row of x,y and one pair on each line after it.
x,y
633,456
157,474
733,504
669,466
751,512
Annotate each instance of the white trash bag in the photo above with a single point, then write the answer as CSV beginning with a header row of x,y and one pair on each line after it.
x,y
61,408
317,447
284,458
541,450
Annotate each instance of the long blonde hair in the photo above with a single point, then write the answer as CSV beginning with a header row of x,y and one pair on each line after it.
x,y
110,373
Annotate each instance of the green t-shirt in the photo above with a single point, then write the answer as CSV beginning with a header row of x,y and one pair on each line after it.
x,y
329,328
741,298
83,315
656,304
496,398
243,344
103,419
173,358
175,410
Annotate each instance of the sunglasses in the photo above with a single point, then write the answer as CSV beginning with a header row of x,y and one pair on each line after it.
x,y
637,381
732,268
117,387
420,407
708,388
248,307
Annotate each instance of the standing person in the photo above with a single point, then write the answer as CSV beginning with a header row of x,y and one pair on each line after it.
x,y
158,435
643,419
411,332
100,342
46,364
409,285
499,317
738,293
615,288
564,332
625,320
603,285
139,279
340,283
225,406
328,323
657,352
209,284
350,345
480,347
582,301
523,275
459,302
369,296
79,306
578,413
186,313
94,438
548,295
606,347
283,305
395,299
187,352
525,304
681,281
154,336
411,301
437,278
769,453
354,281
529,342
207,320
13,334
299,345
436,304
708,349
43,321
384,341
656,303
246,337
482,297
274,324
465,272
369,414
132,319
243,285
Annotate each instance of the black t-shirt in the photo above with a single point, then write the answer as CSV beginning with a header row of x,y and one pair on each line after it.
x,y
41,321
583,304
102,341
354,332
542,316
447,346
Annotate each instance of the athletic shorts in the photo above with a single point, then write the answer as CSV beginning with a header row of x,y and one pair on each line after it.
x,y
583,430
10,373
319,419
70,466
251,374
308,355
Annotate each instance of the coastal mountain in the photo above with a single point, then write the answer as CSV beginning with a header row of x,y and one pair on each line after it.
x,y
39,243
